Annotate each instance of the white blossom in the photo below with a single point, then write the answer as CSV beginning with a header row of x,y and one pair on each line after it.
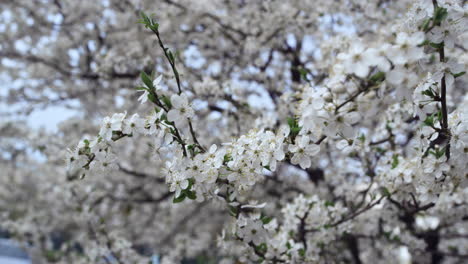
x,y
181,110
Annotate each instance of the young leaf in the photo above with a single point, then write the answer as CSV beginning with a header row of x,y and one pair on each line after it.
x,y
191,195
455,75
171,57
377,78
152,98
440,14
437,45
179,199
166,101
394,161
428,92
429,121
146,80
266,219
385,191
293,126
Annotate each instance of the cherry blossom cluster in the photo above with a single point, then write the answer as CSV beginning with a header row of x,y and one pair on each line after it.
x,y
96,154
333,112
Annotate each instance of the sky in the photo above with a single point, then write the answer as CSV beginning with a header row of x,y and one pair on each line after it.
x,y
8,260
11,253
49,118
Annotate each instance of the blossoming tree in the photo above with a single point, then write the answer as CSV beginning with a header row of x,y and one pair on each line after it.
x,y
239,131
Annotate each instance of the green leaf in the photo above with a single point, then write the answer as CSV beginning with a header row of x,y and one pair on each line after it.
x,y
266,219
388,126
191,195
191,181
437,45
362,138
293,126
394,161
425,25
380,150
233,210
42,147
171,57
52,255
440,14
148,22
385,191
144,19
428,92
458,74
146,80
377,78
152,98
166,101
387,234
227,158
179,199
429,121
262,248
329,203
295,130
424,43
303,72
291,122
439,153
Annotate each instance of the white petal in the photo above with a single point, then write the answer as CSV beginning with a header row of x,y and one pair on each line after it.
x,y
404,256
253,205
342,144
213,148
157,81
313,149
232,177
352,117
401,38
173,115
305,162
176,101
396,76
417,38
184,184
143,97
361,69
